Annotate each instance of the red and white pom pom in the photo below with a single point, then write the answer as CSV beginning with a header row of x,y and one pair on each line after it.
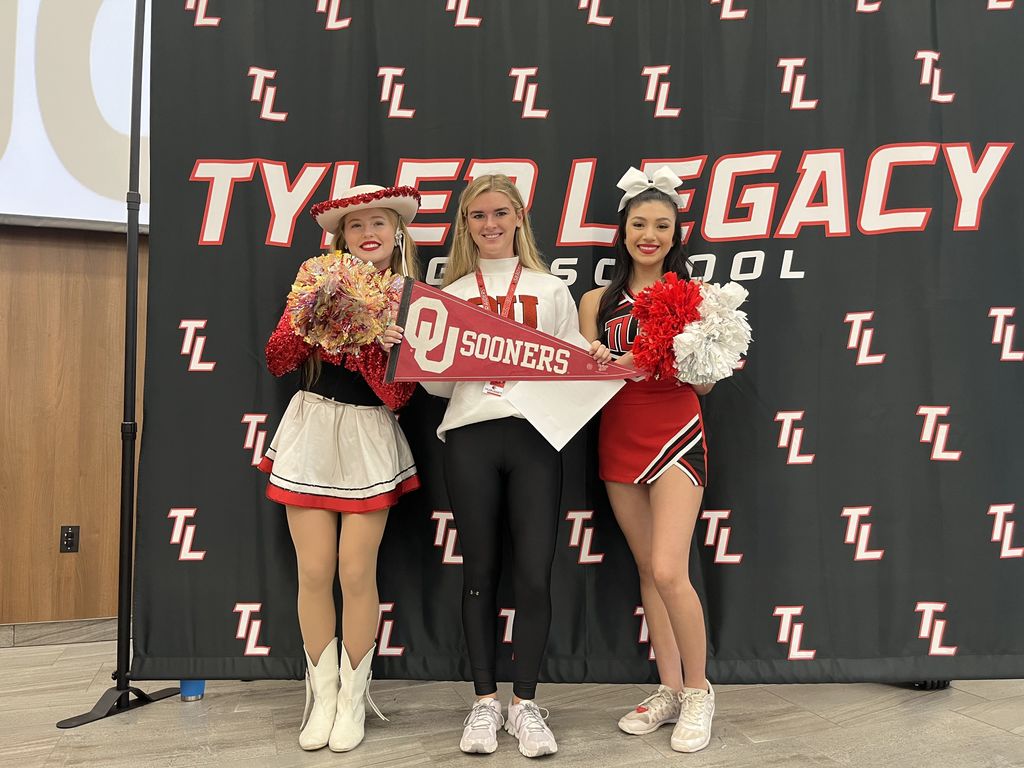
x,y
691,330
663,310
709,349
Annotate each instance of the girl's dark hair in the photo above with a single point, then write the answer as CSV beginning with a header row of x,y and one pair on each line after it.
x,y
675,260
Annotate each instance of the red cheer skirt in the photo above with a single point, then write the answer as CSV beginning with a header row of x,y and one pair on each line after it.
x,y
649,427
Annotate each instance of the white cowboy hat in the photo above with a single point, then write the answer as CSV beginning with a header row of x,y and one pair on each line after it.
x,y
404,201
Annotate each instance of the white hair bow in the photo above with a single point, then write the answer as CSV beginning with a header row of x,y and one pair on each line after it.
x,y
635,181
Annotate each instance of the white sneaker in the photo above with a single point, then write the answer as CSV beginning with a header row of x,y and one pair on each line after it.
x,y
693,731
482,724
526,723
656,710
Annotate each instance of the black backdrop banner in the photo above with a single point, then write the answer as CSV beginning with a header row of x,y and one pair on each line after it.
x,y
852,163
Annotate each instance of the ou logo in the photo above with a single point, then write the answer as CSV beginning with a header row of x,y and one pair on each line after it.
x,y
427,329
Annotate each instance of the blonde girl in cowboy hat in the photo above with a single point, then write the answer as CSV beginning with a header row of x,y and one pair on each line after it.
x,y
340,460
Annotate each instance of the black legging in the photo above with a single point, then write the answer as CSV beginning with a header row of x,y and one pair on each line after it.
x,y
484,464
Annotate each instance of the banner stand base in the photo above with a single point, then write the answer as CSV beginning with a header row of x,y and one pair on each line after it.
x,y
119,698
115,701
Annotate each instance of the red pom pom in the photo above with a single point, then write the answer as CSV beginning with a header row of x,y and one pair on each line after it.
x,y
663,310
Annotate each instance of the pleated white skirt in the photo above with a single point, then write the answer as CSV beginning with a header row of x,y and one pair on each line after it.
x,y
340,457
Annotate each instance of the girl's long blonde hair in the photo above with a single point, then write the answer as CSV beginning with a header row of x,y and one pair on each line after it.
x,y
463,256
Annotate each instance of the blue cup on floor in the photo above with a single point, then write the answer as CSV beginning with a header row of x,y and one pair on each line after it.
x,y
192,690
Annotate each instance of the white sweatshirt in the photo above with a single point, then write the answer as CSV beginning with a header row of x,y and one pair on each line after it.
x,y
542,301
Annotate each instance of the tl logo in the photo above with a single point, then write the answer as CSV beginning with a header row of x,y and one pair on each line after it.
x,y
791,437
254,436
582,536
860,338
199,8
446,539
192,345
391,91
333,10
183,535
859,533
645,637
932,75
728,13
1003,332
249,628
525,93
718,536
1002,530
868,6
936,433
593,8
384,629
793,83
461,10
932,628
791,632
265,93
657,90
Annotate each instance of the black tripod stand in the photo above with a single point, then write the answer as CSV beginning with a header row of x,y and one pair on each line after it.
x,y
119,698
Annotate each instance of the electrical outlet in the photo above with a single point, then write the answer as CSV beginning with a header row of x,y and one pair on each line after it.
x,y
69,538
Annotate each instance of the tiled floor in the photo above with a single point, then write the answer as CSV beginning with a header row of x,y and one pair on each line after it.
x,y
57,632
973,724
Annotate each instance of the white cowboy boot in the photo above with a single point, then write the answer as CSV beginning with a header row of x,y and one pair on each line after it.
x,y
321,698
351,710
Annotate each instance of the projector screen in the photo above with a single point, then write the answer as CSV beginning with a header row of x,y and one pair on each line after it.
x,y
65,107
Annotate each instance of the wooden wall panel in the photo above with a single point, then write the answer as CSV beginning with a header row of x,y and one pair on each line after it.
x,y
61,382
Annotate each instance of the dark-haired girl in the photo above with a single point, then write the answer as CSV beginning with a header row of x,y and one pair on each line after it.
x,y
653,462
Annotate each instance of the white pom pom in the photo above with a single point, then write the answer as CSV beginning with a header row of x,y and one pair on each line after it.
x,y
709,349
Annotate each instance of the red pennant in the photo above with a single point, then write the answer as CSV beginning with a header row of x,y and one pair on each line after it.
x,y
449,339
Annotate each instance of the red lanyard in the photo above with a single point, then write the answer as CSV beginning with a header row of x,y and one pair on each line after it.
x,y
510,297
495,387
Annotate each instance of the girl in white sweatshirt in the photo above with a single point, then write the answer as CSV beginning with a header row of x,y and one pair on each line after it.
x,y
494,459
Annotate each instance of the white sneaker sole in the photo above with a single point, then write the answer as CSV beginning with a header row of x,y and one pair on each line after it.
x,y
688,749
478,747
641,731
695,748
540,751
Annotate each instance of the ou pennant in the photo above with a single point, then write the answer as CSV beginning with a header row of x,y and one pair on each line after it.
x,y
449,339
